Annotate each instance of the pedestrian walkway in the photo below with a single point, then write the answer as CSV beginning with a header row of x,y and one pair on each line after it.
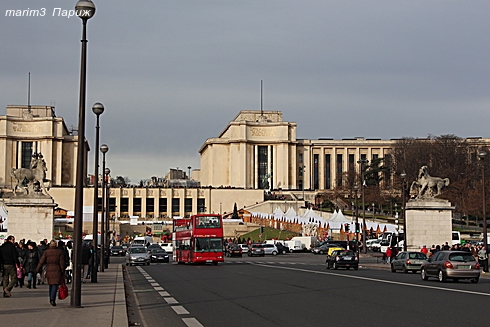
x,y
102,304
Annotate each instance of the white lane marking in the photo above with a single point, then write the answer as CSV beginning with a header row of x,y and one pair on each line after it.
x,y
180,310
158,288
154,284
192,322
163,293
377,280
170,300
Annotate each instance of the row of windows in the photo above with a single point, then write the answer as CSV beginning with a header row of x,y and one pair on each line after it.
x,y
151,205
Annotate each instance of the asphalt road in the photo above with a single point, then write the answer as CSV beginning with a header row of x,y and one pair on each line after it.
x,y
297,290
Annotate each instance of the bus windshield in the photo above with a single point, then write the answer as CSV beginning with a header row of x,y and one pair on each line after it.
x,y
206,244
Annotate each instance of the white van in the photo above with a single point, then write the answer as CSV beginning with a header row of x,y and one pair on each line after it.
x,y
143,240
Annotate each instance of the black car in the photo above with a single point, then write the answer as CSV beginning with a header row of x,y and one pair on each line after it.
x,y
117,250
283,249
159,255
233,251
343,259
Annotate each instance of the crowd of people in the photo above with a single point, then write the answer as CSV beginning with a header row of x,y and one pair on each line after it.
x,y
44,263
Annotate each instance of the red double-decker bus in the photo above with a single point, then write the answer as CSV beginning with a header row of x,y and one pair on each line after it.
x,y
198,239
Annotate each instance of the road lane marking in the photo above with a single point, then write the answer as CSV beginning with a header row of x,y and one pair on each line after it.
x,y
192,322
180,310
163,293
170,300
158,288
376,280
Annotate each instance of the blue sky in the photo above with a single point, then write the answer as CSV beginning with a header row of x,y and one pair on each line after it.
x,y
173,73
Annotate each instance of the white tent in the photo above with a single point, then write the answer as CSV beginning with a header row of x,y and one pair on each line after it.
x,y
278,213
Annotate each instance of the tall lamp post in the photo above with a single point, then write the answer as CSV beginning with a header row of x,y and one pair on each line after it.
x,y
85,10
356,188
103,148
107,172
482,155
98,109
363,162
404,216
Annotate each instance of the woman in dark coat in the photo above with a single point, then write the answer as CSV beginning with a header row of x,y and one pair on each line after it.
x,y
32,260
55,269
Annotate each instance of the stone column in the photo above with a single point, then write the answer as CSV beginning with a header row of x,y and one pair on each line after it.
x,y
429,221
31,217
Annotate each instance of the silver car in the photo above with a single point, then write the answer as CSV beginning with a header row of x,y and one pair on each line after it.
x,y
455,265
137,256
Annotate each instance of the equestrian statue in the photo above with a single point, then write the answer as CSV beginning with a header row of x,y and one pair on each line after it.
x,y
427,186
31,180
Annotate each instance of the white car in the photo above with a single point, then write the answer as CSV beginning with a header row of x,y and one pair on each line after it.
x,y
374,245
168,247
270,249
244,247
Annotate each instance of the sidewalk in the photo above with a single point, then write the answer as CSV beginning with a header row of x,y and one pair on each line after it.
x,y
102,304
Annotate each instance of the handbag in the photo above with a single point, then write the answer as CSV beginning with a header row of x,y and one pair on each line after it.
x,y
62,291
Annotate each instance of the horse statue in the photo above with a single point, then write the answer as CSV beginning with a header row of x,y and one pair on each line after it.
x,y
428,186
31,180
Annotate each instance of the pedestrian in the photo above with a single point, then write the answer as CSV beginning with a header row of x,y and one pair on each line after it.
x,y
389,252
9,262
22,253
483,258
69,268
86,254
41,276
424,250
32,260
55,269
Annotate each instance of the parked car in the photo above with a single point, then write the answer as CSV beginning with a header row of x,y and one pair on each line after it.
x,y
233,251
455,265
323,249
159,255
342,259
270,249
408,261
256,249
117,250
283,249
168,247
244,247
137,255
153,246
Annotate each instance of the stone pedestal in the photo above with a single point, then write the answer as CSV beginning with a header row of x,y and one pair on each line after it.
x,y
429,221
31,217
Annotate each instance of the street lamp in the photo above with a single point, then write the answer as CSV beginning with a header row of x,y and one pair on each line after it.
x,y
85,10
363,162
103,148
302,173
107,171
482,155
189,167
356,188
404,216
98,109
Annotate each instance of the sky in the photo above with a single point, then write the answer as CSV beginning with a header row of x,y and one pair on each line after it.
x,y
172,73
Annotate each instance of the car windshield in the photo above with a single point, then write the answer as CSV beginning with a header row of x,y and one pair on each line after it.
x,y
346,252
158,251
138,250
117,247
417,255
461,257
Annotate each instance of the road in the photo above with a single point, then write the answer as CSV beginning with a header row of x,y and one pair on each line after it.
x,y
297,290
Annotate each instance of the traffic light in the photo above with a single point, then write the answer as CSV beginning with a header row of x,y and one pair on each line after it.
x,y
347,227
358,229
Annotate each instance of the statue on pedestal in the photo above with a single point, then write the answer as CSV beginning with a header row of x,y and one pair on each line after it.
x,y
427,186
31,180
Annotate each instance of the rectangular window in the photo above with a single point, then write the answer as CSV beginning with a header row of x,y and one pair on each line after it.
x,y
201,205
263,178
26,154
175,207
339,170
328,176
188,206
351,162
112,205
137,205
124,205
162,205
150,205
316,172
